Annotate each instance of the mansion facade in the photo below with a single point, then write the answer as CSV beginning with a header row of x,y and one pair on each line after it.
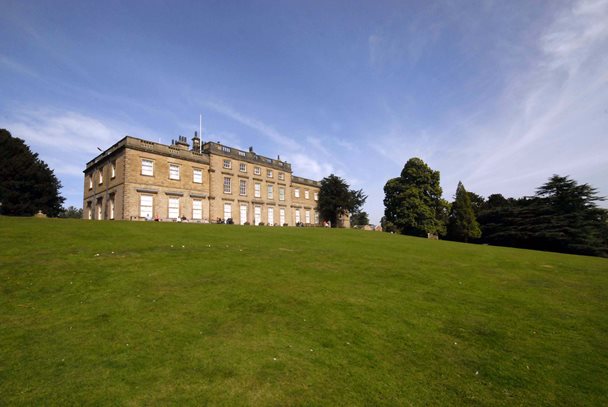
x,y
137,179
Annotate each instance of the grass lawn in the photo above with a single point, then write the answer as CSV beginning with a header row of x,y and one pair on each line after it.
x,y
180,314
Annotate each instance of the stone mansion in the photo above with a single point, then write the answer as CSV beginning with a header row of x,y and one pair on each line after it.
x,y
137,179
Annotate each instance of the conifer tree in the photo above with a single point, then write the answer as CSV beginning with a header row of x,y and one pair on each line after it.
x,y
462,224
27,184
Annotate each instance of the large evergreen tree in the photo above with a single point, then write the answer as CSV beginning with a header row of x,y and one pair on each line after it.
x,y
413,202
27,184
359,218
462,224
336,199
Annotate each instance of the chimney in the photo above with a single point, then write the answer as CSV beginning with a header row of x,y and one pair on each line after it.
x,y
182,143
196,143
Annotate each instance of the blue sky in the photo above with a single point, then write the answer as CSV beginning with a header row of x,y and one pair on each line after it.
x,y
497,94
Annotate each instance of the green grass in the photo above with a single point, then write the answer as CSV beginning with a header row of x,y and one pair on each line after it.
x,y
286,316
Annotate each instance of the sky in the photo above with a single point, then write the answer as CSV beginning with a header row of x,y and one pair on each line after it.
x,y
497,94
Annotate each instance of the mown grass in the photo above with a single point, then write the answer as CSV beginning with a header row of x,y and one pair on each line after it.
x,y
183,314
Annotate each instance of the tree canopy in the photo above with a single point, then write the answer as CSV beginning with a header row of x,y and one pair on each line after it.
x,y
337,200
462,223
413,202
359,218
27,184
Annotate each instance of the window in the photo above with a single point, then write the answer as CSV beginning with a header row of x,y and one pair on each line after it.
x,y
296,192
197,176
316,196
89,211
99,209
243,187
113,170
307,216
281,193
270,192
227,185
269,173
257,215
281,176
270,216
173,208
227,210
257,171
297,216
145,206
225,149
112,207
101,176
173,171
282,216
227,164
197,209
242,154
257,190
306,194
243,167
90,181
147,168
243,213
317,217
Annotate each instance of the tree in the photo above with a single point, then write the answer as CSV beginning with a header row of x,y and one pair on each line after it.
x,y
413,202
462,224
71,212
337,200
27,184
359,218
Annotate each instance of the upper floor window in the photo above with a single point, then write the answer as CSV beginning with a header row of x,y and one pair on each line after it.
x,y
306,194
296,192
101,176
113,169
197,176
281,193
91,181
269,173
257,190
316,197
281,176
257,171
227,185
147,167
227,164
243,167
242,154
270,192
243,187
225,149
173,171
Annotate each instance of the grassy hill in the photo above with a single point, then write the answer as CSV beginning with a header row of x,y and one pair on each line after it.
x,y
158,314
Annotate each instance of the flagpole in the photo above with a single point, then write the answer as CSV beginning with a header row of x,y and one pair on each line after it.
x,y
200,129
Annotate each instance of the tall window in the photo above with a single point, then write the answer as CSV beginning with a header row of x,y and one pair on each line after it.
x,y
197,176
257,171
281,193
257,215
281,176
306,194
145,206
197,209
243,187
91,181
227,210
257,190
243,213
270,192
227,164
173,171
307,216
227,185
297,216
296,192
147,167
317,217
173,208
101,176
269,173
316,196
270,216
243,167
112,207
99,209
113,169
282,216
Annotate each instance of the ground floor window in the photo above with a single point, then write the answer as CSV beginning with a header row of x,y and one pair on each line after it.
x,y
316,217
307,216
145,206
297,216
271,216
112,208
243,213
257,215
99,209
282,216
197,209
173,208
227,211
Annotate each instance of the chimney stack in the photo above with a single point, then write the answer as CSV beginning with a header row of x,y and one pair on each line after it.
x,y
182,143
196,143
